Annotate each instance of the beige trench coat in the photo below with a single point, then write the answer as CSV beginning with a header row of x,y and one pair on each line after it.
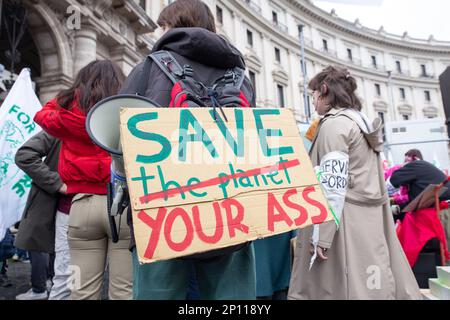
x,y
365,258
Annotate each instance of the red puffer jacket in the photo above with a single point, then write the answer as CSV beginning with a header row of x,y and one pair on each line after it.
x,y
83,166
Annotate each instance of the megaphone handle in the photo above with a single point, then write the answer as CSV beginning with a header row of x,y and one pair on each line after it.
x,y
112,221
114,234
109,197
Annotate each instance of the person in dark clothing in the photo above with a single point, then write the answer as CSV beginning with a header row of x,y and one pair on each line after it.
x,y
418,174
190,37
6,252
206,52
38,158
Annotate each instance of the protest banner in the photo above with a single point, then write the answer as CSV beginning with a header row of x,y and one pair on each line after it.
x,y
16,127
200,180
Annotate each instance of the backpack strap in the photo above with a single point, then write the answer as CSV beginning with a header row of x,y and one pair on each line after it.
x,y
240,76
233,77
168,64
142,87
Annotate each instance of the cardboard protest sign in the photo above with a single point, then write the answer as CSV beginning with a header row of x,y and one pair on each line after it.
x,y
199,180
425,199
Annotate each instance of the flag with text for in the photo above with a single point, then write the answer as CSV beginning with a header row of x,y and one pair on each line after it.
x,y
16,127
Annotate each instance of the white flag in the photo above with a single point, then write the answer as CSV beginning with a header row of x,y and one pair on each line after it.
x,y
16,127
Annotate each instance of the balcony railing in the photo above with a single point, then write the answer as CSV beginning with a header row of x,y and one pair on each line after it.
x,y
279,25
308,42
135,14
404,73
426,76
254,6
353,60
329,52
378,67
257,9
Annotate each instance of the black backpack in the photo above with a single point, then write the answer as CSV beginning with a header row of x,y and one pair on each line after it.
x,y
187,92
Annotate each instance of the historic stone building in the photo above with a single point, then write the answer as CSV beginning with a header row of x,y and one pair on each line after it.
x,y
267,32
64,35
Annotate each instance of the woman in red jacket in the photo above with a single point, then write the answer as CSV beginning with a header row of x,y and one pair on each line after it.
x,y
85,171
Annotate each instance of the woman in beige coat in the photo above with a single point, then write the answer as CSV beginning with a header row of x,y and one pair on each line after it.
x,y
357,256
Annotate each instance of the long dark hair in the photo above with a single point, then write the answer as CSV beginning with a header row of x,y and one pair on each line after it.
x,y
187,14
96,81
338,86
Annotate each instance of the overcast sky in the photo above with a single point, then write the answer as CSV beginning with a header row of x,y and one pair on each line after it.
x,y
419,17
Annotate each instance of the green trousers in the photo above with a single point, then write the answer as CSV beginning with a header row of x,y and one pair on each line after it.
x,y
230,277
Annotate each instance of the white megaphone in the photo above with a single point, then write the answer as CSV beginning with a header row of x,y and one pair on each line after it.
x,y
102,124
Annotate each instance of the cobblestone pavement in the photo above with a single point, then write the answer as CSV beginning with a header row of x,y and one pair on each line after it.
x,y
19,274
19,278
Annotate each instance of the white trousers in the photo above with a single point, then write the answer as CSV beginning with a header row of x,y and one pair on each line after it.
x,y
60,289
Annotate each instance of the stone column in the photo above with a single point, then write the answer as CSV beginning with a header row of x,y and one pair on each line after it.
x,y
239,32
269,84
294,100
368,98
85,47
413,103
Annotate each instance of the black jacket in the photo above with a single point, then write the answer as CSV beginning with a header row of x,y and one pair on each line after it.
x,y
209,55
206,52
417,175
37,227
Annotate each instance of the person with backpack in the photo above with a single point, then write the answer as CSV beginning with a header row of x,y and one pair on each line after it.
x,y
85,170
357,256
192,66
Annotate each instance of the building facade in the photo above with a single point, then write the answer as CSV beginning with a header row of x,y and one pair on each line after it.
x,y
62,36
397,75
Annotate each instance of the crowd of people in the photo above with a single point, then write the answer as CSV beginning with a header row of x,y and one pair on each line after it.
x,y
65,228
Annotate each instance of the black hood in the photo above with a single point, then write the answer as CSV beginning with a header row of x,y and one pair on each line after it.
x,y
201,45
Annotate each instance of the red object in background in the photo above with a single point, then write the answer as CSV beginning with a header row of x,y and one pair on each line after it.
x,y
83,166
444,205
417,228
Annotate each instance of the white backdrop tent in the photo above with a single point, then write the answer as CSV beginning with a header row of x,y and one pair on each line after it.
x,y
429,136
